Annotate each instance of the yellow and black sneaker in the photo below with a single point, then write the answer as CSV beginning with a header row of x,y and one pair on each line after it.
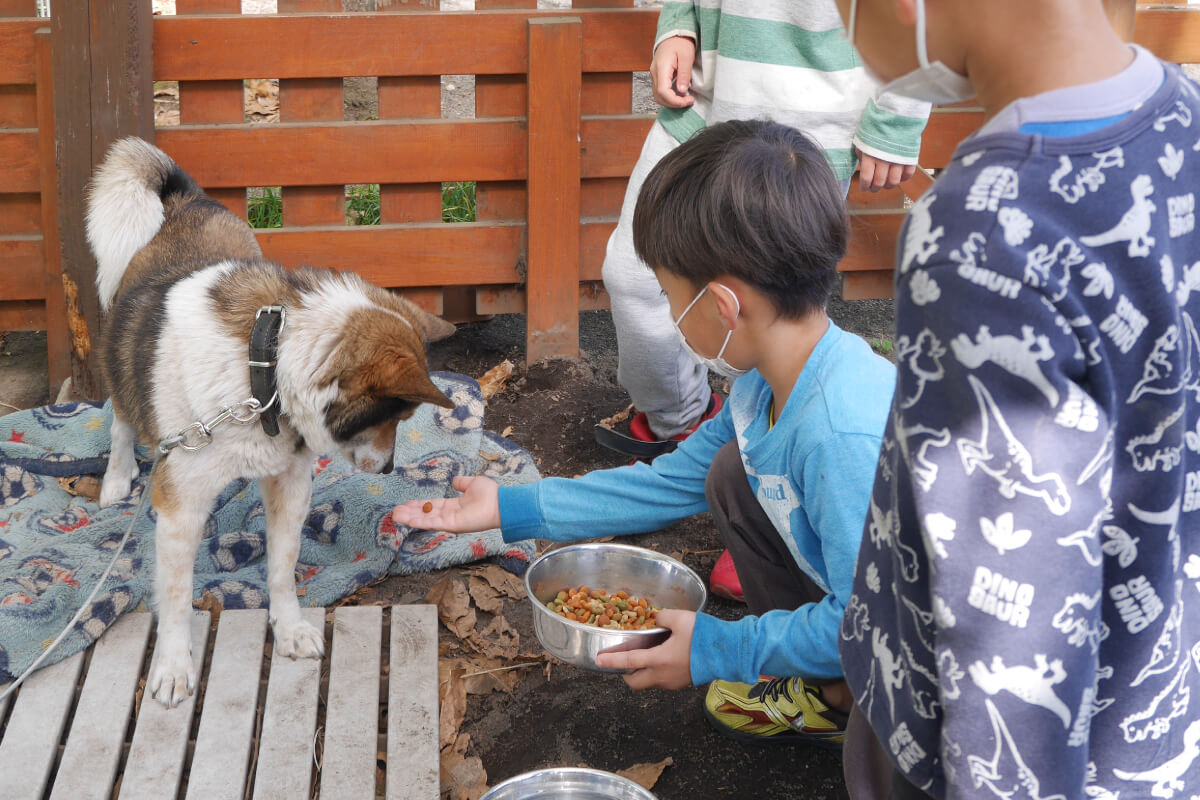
x,y
774,711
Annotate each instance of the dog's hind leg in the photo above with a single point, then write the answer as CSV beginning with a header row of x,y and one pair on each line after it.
x,y
122,464
286,498
181,517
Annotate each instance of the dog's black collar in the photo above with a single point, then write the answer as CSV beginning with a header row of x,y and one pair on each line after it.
x,y
264,354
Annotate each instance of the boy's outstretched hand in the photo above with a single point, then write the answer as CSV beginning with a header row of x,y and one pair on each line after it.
x,y
875,174
477,509
667,666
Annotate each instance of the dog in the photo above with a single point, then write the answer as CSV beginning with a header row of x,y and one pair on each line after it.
x,y
184,283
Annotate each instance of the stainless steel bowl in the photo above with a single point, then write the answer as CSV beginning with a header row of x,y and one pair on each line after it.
x,y
663,581
576,783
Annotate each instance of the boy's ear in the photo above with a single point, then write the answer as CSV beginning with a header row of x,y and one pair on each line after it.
x,y
906,11
728,307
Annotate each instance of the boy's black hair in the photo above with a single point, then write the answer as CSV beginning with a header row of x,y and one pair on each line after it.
x,y
752,199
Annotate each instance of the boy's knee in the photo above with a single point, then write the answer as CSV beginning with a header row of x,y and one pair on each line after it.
x,y
724,476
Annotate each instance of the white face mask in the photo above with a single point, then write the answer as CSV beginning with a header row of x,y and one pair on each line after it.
x,y
934,83
717,364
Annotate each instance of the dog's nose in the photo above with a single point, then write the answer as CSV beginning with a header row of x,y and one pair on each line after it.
x,y
389,466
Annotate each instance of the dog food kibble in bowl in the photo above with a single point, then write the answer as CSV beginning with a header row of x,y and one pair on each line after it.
x,y
561,584
597,607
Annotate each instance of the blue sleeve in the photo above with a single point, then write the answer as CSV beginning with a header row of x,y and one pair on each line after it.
x,y
998,451
837,478
615,502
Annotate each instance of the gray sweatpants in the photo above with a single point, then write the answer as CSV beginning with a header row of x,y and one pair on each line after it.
x,y
652,365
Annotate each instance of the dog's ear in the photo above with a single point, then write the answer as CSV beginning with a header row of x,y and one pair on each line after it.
x,y
396,373
434,326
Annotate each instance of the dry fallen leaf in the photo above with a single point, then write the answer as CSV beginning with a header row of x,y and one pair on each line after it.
x,y
85,486
454,605
462,776
507,431
617,418
486,596
486,456
497,640
502,580
495,379
646,775
452,703
209,602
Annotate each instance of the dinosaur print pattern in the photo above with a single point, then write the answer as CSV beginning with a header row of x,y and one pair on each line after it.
x,y
1029,622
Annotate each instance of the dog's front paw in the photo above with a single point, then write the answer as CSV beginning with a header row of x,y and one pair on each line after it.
x,y
298,640
172,678
114,489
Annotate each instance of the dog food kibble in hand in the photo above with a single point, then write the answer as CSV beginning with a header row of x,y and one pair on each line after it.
x,y
596,607
427,507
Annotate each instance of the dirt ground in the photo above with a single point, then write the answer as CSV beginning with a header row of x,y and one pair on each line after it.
x,y
562,715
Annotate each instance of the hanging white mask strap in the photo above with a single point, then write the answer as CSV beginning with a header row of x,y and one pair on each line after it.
x,y
922,48
853,21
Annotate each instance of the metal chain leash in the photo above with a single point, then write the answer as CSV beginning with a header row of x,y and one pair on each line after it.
x,y
198,435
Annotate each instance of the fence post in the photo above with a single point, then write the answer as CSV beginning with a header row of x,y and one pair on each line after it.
x,y
552,282
103,91
58,344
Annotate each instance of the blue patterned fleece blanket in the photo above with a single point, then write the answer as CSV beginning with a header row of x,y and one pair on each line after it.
x,y
54,545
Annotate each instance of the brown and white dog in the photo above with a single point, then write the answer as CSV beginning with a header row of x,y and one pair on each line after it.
x,y
182,280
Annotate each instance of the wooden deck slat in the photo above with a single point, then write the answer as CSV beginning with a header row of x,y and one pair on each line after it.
x,y
352,716
412,730
89,762
34,729
155,764
226,735
285,750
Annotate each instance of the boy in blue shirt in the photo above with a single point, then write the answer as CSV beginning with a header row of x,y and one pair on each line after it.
x,y
1025,614
744,226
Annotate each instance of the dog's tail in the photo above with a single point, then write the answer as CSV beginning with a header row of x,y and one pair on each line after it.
x,y
125,207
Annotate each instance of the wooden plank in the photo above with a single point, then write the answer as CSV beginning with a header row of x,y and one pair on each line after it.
x,y
89,762
511,299
21,276
16,49
872,285
412,730
58,329
18,8
18,154
352,715
156,755
328,46
413,151
610,146
214,101
289,724
22,315
947,127
1172,34
429,254
593,241
226,735
607,93
20,213
552,319
31,737
18,106
413,97
873,238
312,100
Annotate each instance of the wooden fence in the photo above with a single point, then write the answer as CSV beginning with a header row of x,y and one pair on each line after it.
x,y
551,146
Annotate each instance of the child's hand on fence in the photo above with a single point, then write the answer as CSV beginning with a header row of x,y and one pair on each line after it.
x,y
671,72
667,666
875,173
477,509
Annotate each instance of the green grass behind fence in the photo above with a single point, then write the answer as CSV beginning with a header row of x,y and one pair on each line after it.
x,y
265,206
